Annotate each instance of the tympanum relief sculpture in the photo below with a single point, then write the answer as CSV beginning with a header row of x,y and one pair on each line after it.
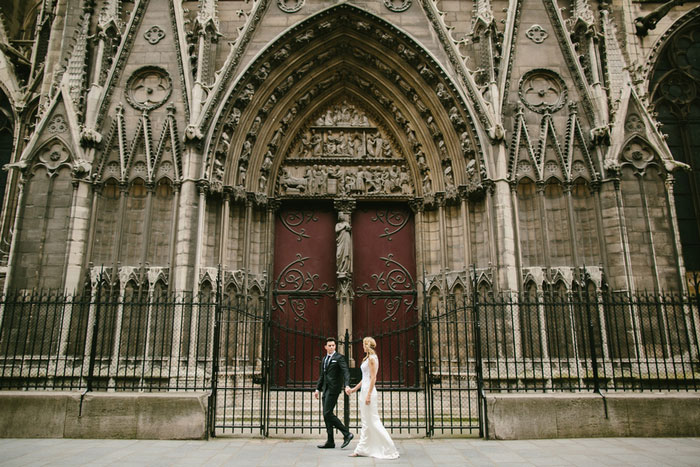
x,y
343,153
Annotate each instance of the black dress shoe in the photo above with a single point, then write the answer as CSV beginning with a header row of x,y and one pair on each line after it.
x,y
326,446
347,440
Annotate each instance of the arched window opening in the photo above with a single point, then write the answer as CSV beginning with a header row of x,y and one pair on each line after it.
x,y
559,247
132,333
530,335
6,137
161,214
530,224
133,226
675,90
560,339
585,225
160,321
106,224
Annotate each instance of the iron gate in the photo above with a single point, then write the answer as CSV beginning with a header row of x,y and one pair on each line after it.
x,y
249,395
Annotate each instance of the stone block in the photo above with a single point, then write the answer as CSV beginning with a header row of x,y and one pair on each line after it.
x,y
33,414
139,416
577,415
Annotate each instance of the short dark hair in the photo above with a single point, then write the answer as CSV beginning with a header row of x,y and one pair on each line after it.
x,y
331,339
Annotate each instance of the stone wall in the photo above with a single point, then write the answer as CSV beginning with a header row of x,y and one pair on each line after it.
x,y
124,415
589,415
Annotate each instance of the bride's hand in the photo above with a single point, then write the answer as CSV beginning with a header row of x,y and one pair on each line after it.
x,y
367,400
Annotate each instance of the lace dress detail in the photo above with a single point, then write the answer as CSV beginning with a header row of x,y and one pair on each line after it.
x,y
374,439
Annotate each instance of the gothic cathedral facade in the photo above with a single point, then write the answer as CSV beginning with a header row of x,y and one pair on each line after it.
x,y
350,148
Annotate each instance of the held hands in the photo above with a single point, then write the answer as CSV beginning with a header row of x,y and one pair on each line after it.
x,y
348,391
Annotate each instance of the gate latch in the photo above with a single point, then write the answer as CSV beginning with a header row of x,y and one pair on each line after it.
x,y
258,379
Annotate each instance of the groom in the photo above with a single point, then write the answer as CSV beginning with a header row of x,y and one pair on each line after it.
x,y
334,372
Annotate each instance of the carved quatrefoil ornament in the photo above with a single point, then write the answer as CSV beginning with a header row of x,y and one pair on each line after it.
x,y
542,91
290,6
397,6
154,34
537,34
148,88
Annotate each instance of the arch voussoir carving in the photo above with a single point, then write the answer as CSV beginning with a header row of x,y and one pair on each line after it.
x,y
416,111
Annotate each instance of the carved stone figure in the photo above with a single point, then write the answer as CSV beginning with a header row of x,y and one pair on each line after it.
x,y
245,152
317,143
241,174
267,161
292,185
306,145
371,144
358,148
405,181
343,251
386,149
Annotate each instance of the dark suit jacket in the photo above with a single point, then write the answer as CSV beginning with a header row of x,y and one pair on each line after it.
x,y
336,377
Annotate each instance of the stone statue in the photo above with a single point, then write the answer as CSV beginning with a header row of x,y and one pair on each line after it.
x,y
343,252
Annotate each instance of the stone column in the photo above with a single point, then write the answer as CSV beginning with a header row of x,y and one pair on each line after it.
x,y
572,224
225,219
185,239
344,269
501,224
203,189
671,206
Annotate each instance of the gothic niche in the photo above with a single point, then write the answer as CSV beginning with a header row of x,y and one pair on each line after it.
x,y
342,152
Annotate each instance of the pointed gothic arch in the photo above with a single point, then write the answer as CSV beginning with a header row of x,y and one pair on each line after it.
x,y
343,52
674,87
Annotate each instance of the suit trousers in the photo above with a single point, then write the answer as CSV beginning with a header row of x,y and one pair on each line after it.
x,y
330,399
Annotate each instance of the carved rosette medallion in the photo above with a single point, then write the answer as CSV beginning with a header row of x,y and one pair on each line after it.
x,y
290,6
148,88
542,91
397,6
341,152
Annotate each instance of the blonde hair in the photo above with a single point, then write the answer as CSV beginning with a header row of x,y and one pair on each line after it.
x,y
369,344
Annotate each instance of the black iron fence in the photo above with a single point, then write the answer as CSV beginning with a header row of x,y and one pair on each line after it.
x,y
588,341
122,339
434,372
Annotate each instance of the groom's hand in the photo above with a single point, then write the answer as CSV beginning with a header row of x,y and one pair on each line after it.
x,y
316,393
348,390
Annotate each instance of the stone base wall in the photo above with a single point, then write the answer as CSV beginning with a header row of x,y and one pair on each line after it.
x,y
588,415
123,415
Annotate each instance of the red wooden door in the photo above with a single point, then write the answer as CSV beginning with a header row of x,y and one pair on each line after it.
x,y
303,307
384,265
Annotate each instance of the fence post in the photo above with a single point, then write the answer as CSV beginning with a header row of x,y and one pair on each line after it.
x,y
346,408
591,328
483,425
95,327
427,362
266,361
215,356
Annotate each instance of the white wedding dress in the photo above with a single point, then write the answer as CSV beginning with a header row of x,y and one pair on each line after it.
x,y
374,439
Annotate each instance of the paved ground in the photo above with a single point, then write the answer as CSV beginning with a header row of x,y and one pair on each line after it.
x,y
303,452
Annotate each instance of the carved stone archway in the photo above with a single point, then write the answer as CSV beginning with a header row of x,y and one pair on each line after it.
x,y
344,54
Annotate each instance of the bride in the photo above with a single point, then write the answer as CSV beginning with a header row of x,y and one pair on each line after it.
x,y
374,439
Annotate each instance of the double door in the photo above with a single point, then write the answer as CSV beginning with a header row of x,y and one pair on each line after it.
x,y
312,292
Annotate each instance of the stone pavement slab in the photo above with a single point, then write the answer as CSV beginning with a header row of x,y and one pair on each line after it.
x,y
444,452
